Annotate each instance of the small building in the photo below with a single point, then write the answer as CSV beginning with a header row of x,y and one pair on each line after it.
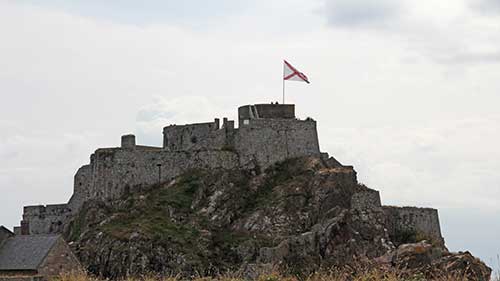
x,y
35,257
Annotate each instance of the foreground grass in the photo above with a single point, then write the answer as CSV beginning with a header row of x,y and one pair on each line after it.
x,y
372,275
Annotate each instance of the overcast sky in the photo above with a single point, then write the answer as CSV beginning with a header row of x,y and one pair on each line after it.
x,y
406,91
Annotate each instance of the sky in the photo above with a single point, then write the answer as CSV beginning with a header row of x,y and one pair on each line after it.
x,y
406,91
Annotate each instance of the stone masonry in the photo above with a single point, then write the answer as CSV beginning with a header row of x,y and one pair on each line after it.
x,y
267,133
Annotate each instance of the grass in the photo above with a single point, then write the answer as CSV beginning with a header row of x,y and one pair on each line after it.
x,y
152,218
278,174
332,275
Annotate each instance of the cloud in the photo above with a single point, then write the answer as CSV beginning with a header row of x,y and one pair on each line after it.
x,y
188,12
446,32
425,164
364,13
38,168
486,7
470,58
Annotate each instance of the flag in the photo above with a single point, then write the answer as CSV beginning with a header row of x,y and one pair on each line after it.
x,y
291,73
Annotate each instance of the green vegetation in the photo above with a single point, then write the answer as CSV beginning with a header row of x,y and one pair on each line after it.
x,y
278,174
151,216
179,196
77,225
405,236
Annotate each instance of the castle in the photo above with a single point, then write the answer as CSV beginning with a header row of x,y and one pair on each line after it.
x,y
266,134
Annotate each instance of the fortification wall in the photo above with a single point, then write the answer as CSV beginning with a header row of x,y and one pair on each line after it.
x,y
422,220
45,219
118,171
115,171
367,199
81,186
267,141
193,136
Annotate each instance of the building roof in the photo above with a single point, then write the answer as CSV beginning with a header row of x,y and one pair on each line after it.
x,y
6,230
4,234
25,252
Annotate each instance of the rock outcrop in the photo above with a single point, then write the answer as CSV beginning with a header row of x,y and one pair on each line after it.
x,y
299,215
433,262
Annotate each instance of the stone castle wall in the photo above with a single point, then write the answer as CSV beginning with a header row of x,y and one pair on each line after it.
x,y
422,220
81,186
194,137
268,141
113,172
118,171
45,219
366,199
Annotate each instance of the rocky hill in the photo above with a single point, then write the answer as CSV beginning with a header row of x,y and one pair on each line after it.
x,y
297,216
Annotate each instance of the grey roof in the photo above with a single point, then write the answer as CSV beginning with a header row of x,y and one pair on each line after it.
x,y
6,230
25,252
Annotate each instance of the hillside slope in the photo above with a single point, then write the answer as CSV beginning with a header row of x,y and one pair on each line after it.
x,y
298,216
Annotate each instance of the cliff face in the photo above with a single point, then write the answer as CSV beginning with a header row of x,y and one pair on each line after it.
x,y
298,216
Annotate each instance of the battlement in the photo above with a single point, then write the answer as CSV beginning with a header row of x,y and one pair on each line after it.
x,y
194,136
265,111
263,128
43,219
55,209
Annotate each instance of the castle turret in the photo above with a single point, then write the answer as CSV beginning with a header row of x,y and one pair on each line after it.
x,y
265,111
128,141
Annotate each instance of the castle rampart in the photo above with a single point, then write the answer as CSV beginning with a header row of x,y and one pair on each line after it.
x,y
81,186
267,133
268,141
44,219
366,199
195,136
117,171
424,221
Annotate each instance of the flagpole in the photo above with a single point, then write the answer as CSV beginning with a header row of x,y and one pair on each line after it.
x,y
283,84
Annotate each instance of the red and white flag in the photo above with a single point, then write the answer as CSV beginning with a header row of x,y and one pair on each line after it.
x,y
291,73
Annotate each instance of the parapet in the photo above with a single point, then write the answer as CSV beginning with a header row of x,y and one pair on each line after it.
x,y
56,209
265,111
190,136
44,219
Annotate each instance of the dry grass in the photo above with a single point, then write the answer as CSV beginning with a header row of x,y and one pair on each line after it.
x,y
334,275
